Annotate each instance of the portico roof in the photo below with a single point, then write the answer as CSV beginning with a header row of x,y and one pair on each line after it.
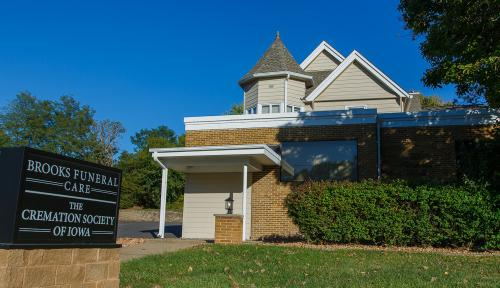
x,y
230,158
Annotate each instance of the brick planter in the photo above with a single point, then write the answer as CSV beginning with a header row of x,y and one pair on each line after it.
x,y
228,228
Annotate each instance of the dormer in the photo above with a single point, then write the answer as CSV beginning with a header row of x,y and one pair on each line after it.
x,y
276,84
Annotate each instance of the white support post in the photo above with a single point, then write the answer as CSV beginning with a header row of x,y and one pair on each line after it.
x,y
245,177
163,202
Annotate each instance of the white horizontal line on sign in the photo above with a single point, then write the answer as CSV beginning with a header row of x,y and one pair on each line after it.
x,y
44,181
34,230
25,228
102,232
67,196
103,191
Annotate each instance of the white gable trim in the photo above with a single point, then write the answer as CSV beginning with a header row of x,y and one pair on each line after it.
x,y
356,56
323,46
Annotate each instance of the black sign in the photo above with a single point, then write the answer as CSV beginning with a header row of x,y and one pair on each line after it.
x,y
60,201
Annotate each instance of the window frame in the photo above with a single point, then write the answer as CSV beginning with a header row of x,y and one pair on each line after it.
x,y
295,109
252,110
275,105
266,106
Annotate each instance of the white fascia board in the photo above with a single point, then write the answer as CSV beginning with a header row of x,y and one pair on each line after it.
x,y
323,46
440,118
228,150
355,56
283,73
288,74
282,120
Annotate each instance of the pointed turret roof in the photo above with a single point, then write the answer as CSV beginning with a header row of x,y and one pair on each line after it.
x,y
276,59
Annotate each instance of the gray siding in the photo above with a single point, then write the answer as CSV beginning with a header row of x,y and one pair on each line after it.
x,y
296,91
204,196
272,91
322,62
355,86
355,83
251,93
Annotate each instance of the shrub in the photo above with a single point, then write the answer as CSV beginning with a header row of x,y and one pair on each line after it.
x,y
371,212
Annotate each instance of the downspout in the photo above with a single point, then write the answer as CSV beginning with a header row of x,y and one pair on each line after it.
x,y
244,103
286,93
155,157
163,197
379,160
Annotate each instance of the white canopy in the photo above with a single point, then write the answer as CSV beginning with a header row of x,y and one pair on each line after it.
x,y
203,159
219,158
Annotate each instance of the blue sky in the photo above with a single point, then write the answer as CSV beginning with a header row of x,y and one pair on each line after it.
x,y
148,63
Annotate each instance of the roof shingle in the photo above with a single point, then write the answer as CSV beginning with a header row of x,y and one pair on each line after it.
x,y
318,77
276,58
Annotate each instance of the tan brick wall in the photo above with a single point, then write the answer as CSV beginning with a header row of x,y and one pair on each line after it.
x,y
228,229
365,135
61,268
269,215
425,153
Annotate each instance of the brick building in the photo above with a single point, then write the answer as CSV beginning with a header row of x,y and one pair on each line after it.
x,y
329,118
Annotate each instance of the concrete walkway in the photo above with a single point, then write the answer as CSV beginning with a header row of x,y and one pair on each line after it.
x,y
156,246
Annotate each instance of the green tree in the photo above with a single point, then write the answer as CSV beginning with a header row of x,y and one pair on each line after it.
x,y
4,140
64,126
57,126
142,175
236,109
461,40
160,137
433,101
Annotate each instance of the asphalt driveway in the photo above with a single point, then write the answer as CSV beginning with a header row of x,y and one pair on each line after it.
x,y
127,229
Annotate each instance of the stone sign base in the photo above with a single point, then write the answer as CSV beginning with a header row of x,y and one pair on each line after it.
x,y
61,268
228,228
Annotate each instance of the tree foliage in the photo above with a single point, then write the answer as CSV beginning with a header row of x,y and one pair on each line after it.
x,y
142,175
106,134
64,126
4,139
433,101
461,40
236,109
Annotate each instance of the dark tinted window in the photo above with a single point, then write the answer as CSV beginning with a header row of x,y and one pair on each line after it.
x,y
320,160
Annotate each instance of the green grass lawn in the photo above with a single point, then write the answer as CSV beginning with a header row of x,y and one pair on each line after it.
x,y
274,266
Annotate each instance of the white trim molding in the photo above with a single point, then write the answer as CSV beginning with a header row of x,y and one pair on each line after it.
x,y
308,79
323,46
226,158
227,150
441,118
356,56
290,119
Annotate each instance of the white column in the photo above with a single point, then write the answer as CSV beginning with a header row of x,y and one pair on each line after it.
x,y
245,177
163,202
